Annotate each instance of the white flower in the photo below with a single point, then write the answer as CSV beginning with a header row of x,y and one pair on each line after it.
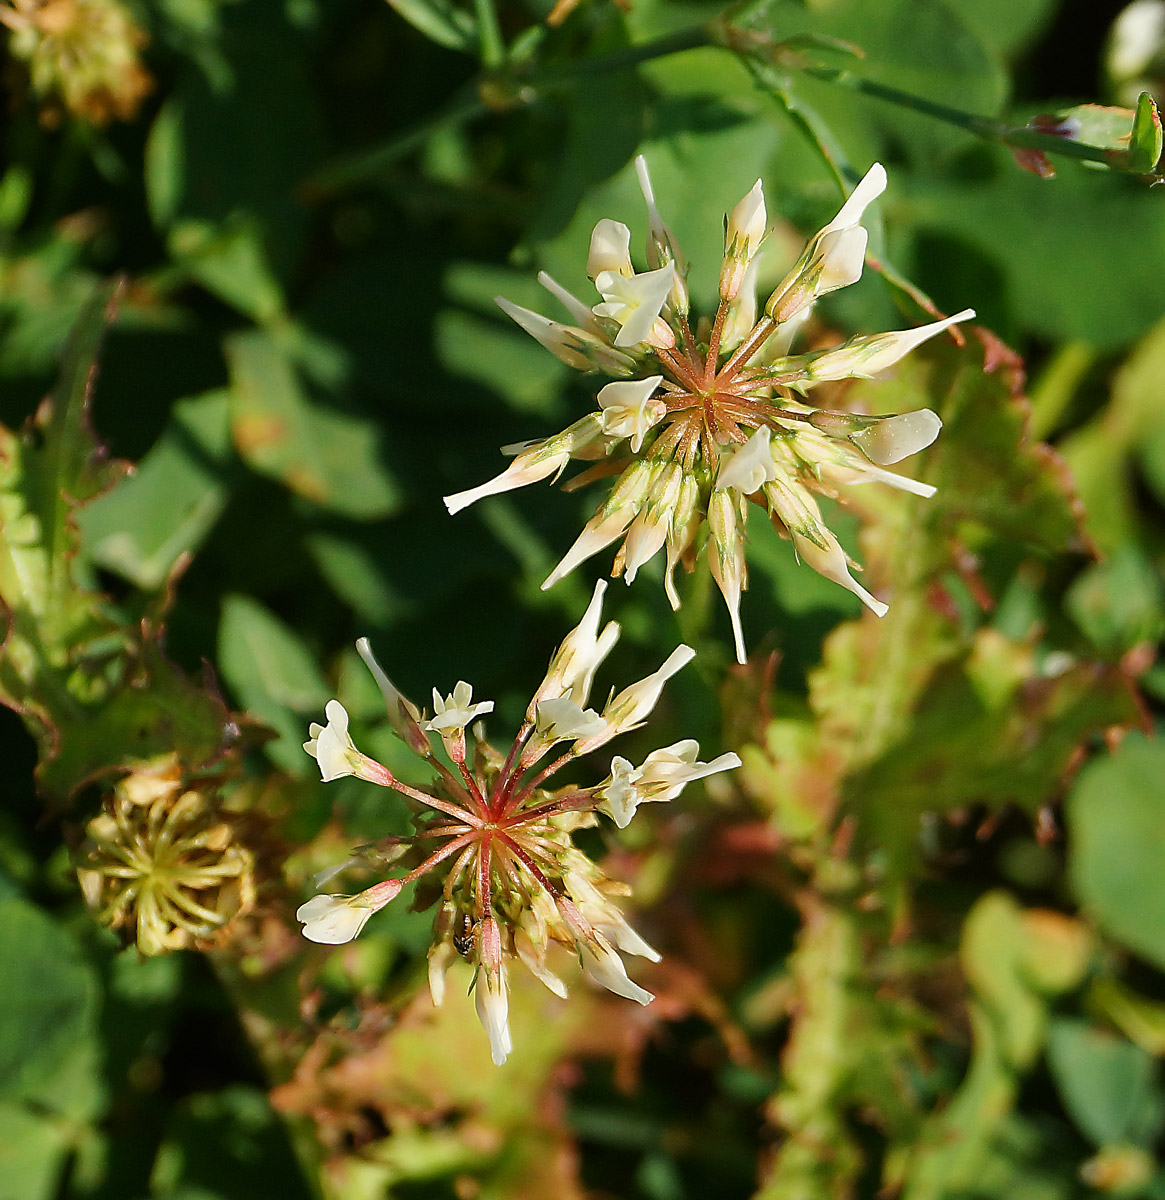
x,y
491,999
457,709
872,185
574,663
601,962
834,256
578,348
534,462
649,531
743,233
619,796
631,706
332,920
630,408
579,311
746,223
635,303
864,357
562,720
831,562
666,772
751,466
895,438
331,746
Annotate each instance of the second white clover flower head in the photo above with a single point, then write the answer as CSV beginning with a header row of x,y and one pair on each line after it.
x,y
514,884
707,414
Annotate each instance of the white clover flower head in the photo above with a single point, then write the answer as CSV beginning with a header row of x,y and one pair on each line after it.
x,y
710,411
498,828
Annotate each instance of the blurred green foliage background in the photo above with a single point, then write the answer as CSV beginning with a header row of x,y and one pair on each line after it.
x,y
915,945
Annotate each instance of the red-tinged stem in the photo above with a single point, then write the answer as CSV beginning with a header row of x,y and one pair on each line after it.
x,y
714,343
528,863
569,803
455,874
444,806
484,881
444,831
515,801
680,367
689,340
506,780
471,787
763,330
437,856
454,784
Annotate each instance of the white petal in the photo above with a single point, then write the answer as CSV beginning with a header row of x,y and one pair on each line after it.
x,y
606,968
831,563
751,465
873,184
610,249
332,920
491,1000
895,438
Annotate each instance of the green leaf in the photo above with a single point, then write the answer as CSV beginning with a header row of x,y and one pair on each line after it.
x,y
1083,259
1120,602
230,261
1108,1085
1117,826
144,525
441,21
47,994
33,1152
273,675
228,1143
328,457
1145,143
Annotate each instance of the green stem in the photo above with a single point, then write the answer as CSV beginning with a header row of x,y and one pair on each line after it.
x,y
984,127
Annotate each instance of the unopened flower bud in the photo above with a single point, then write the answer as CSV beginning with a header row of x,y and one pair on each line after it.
x,y
536,462
578,348
618,511
744,230
726,557
830,560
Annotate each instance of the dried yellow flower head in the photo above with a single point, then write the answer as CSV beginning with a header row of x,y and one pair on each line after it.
x,y
163,863
81,55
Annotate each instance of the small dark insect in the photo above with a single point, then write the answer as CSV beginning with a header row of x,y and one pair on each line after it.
x,y
463,937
